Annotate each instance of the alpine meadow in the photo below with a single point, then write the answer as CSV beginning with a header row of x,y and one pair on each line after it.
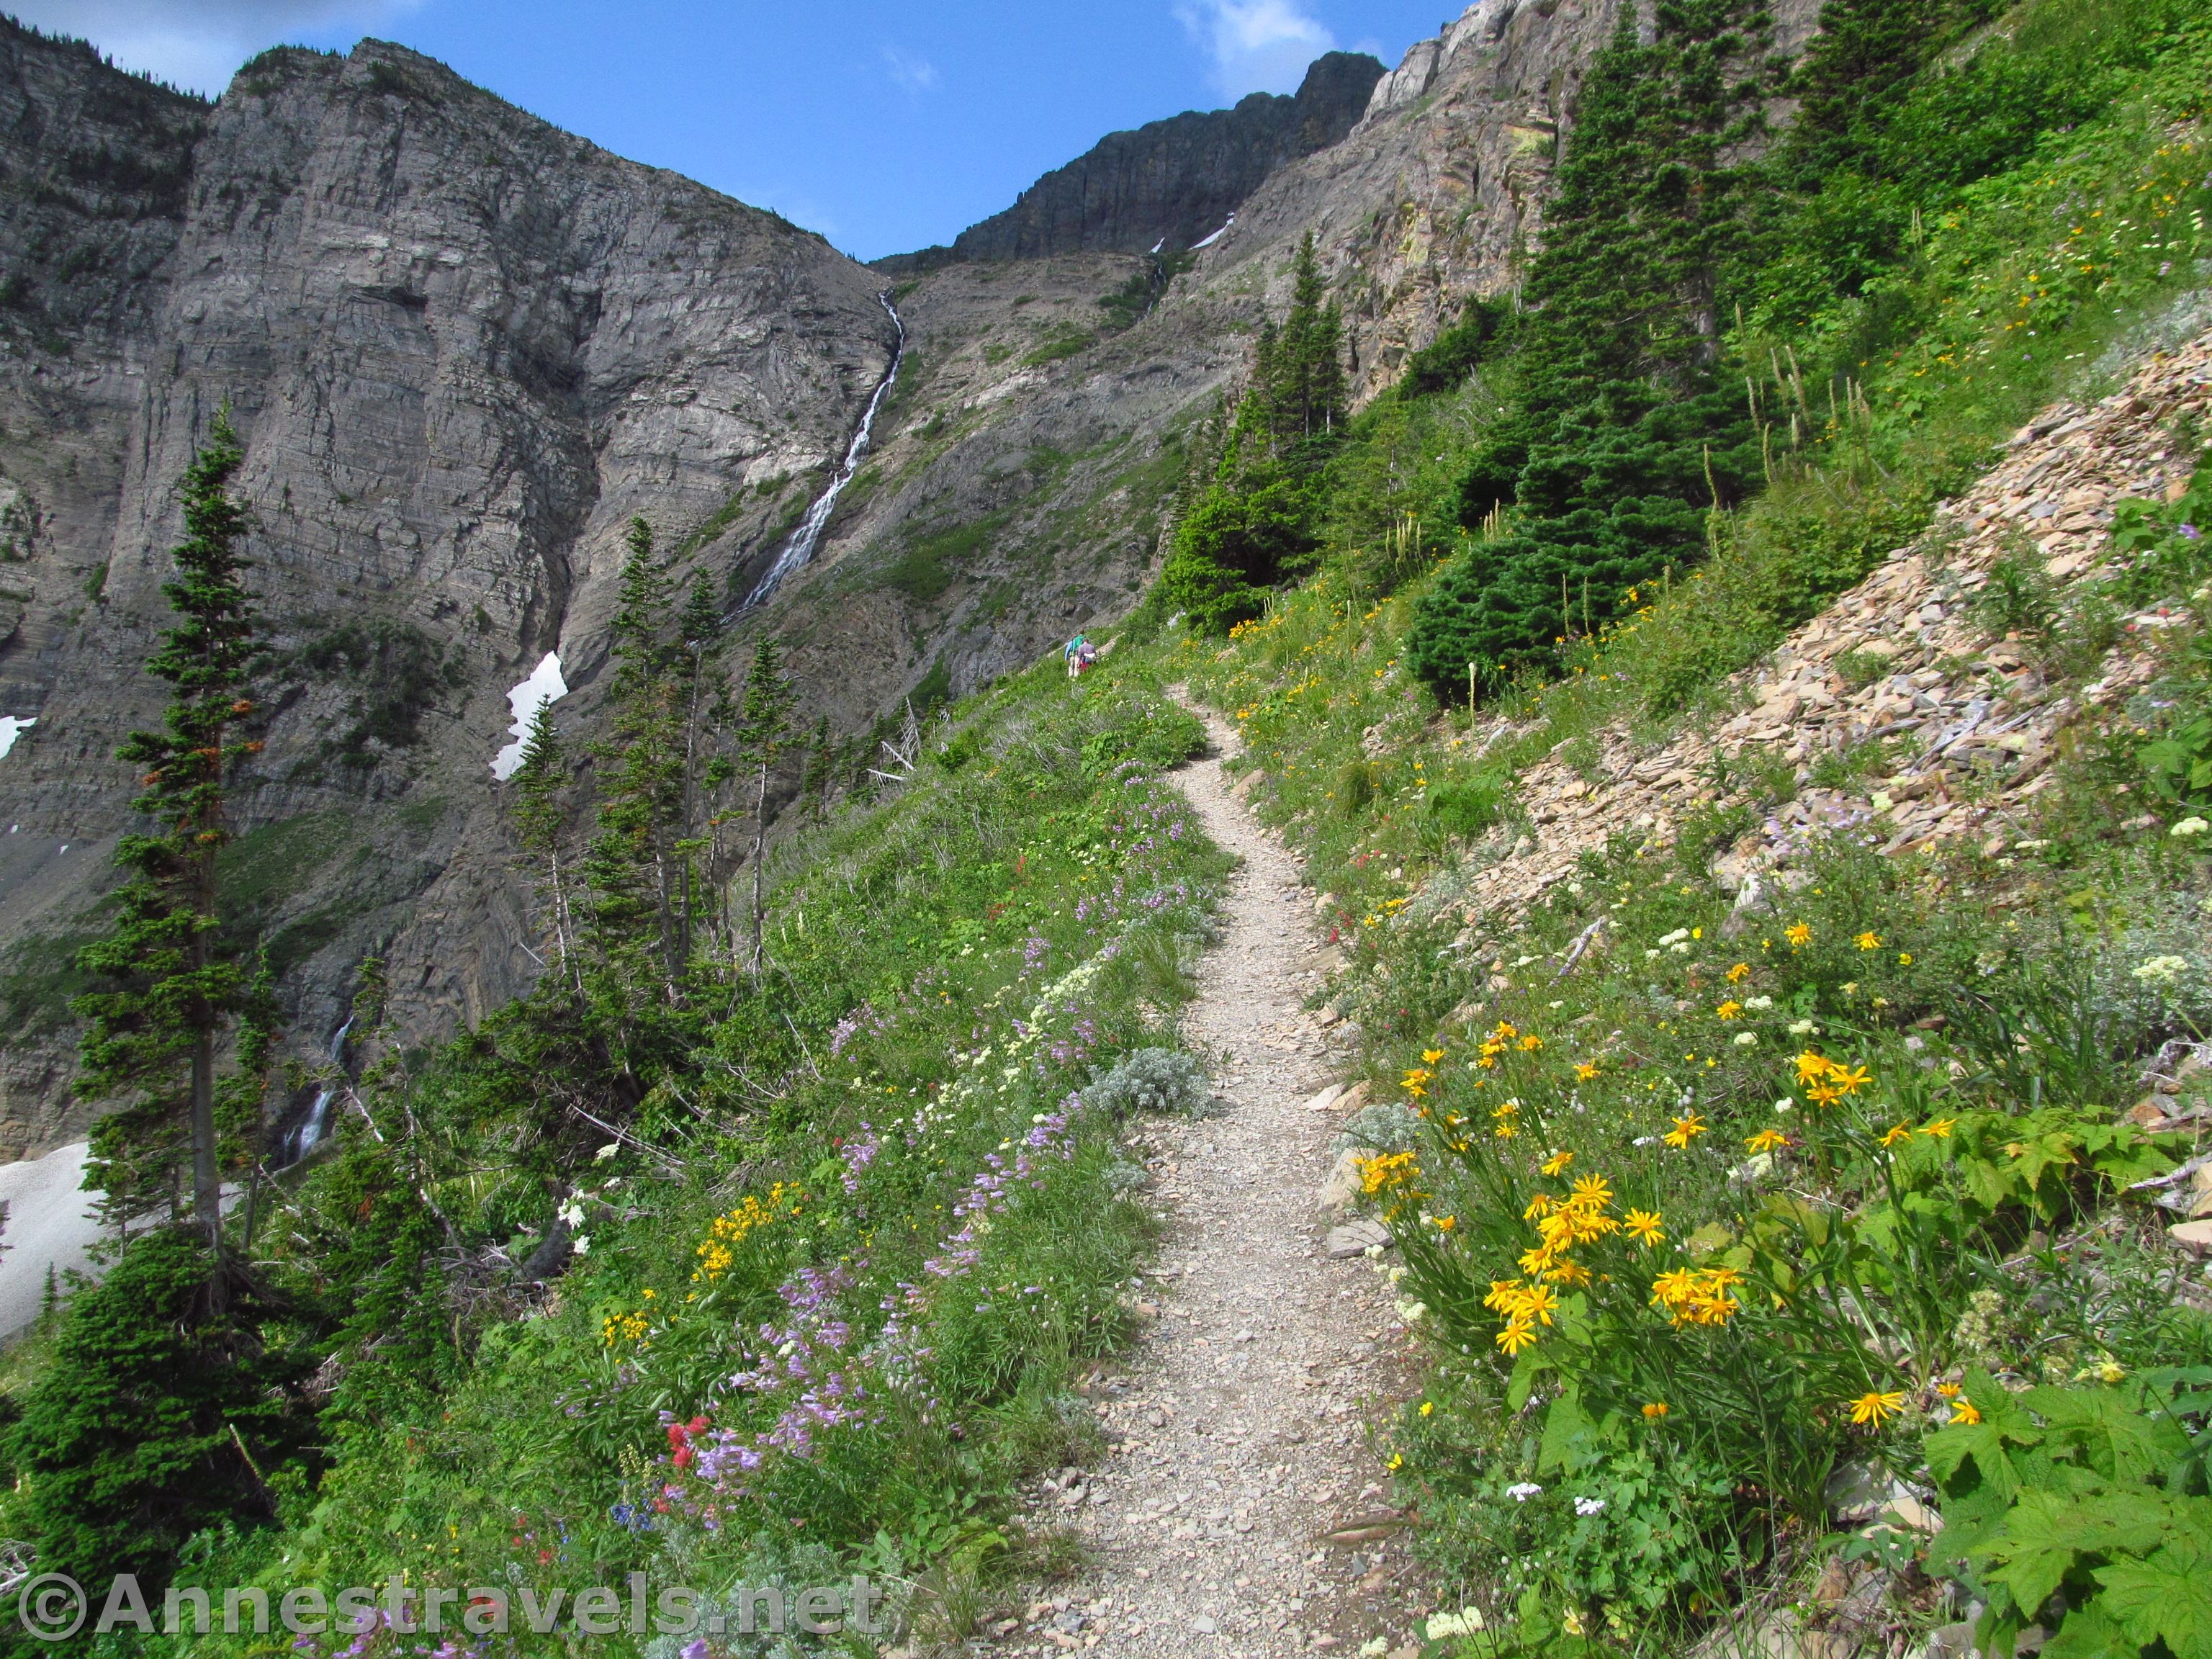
x,y
1469,920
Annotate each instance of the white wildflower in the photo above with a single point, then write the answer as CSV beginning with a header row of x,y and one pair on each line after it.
x,y
1442,1626
2188,829
1589,1505
1522,1490
2163,970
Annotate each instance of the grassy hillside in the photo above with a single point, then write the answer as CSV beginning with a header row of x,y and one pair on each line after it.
x,y
1701,1205
726,1274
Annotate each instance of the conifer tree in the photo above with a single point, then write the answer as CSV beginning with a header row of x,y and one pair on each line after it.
x,y
631,866
1305,384
763,734
708,711
1624,440
540,788
154,1034
821,763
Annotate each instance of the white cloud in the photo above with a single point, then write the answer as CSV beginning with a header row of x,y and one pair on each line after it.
x,y
199,43
915,74
1257,46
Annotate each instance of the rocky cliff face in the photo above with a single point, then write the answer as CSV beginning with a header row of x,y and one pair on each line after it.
x,y
1170,183
461,348
1438,193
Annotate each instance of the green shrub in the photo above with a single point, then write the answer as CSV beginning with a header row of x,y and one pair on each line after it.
x,y
1469,808
1150,733
2083,1509
1229,550
155,1417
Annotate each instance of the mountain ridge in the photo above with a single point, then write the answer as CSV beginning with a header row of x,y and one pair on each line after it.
x,y
1163,186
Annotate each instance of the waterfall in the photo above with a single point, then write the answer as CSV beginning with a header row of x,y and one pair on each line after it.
x,y
308,1134
800,548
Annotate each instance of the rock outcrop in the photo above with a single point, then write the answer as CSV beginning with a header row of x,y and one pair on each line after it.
x,y
1438,193
1976,717
461,348
1169,184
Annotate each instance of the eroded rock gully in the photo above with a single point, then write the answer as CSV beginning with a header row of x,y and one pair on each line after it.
x,y
1242,1508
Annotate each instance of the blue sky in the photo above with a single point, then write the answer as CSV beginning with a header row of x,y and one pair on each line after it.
x,y
886,124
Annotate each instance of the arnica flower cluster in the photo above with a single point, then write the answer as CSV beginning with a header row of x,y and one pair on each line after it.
x,y
1825,1082
1582,1217
718,1249
1697,1296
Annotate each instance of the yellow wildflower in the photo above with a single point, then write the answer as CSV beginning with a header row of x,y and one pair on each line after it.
x,y
1557,1163
1963,1413
1730,1010
1431,1056
1643,1227
1735,975
1939,1128
1515,1336
1591,1192
1873,1409
1766,1141
1895,1133
1530,1043
1798,934
1585,1070
1655,1409
1387,1170
1869,941
1686,1129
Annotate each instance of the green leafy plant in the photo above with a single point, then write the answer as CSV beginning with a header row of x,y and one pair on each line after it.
x,y
2085,1510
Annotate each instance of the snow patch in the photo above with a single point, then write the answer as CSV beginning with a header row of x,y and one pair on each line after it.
x,y
51,1224
10,729
1208,241
544,686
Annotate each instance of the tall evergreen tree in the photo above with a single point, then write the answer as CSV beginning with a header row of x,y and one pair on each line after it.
x,y
1306,391
708,711
154,1034
1624,440
764,732
631,867
539,789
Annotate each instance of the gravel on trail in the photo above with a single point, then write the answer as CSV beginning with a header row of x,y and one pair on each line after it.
x,y
1242,1508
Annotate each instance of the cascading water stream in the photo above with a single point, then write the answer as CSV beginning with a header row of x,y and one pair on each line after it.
x,y
800,548
309,1133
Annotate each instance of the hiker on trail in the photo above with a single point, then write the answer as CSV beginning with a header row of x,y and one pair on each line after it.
x,y
1080,656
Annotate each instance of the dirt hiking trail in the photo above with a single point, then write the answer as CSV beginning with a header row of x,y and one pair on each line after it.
x,y
1242,1510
